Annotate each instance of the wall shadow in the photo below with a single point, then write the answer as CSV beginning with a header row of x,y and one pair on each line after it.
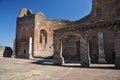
x,y
49,62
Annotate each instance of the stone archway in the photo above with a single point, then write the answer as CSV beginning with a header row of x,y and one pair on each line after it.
x,y
71,47
83,44
102,50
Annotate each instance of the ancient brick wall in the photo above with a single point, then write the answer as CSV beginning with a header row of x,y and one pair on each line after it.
x,y
43,38
71,39
45,48
41,31
24,30
109,46
102,10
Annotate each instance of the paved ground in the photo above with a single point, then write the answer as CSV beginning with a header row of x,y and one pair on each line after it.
x,y
38,69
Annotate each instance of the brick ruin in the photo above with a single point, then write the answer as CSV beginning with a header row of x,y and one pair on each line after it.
x,y
41,31
5,51
89,40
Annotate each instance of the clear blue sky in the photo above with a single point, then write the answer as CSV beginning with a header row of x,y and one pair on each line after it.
x,y
54,9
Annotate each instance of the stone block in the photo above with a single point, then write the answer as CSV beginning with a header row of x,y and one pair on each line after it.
x,y
58,60
5,51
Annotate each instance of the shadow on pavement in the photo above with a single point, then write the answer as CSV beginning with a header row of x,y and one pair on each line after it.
x,y
49,62
103,67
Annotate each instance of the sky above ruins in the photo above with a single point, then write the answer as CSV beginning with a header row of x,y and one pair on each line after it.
x,y
53,9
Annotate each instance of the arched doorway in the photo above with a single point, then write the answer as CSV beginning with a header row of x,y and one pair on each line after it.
x,y
71,48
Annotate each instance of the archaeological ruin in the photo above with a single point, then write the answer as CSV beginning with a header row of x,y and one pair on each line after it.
x,y
5,51
92,39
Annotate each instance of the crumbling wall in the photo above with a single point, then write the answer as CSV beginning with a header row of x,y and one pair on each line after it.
x,y
102,10
24,30
5,51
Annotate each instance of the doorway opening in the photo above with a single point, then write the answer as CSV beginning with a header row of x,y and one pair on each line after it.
x,y
71,49
102,47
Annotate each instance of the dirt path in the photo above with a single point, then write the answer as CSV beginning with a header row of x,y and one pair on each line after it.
x,y
22,69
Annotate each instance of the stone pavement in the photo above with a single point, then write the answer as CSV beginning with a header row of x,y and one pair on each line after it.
x,y
40,69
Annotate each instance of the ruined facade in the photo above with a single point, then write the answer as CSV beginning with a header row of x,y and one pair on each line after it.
x,y
91,39
41,31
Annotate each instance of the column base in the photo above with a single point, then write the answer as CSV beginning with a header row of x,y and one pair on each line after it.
x,y
85,62
58,60
102,60
13,55
29,56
